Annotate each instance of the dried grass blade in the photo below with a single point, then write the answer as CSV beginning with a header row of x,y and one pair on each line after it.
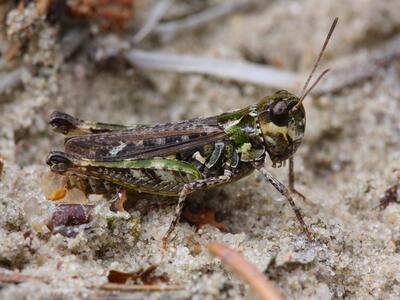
x,y
257,280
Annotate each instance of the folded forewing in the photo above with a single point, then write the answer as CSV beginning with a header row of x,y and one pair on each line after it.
x,y
144,143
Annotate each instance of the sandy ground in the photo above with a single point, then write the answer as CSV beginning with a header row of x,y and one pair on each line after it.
x,y
350,156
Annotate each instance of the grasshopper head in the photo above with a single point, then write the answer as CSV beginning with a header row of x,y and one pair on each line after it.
x,y
282,118
282,123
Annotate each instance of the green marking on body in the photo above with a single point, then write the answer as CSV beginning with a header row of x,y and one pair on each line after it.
x,y
233,115
155,164
245,147
237,135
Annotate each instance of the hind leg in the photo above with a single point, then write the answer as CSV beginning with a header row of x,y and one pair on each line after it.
x,y
71,126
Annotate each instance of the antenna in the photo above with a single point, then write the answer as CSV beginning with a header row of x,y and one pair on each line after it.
x,y
305,92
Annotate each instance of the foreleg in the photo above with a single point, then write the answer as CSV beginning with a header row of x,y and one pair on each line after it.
x,y
281,188
292,189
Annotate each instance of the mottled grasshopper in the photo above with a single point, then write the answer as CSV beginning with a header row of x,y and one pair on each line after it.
x,y
176,159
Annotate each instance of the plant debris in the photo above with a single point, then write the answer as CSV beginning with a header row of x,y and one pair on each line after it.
x,y
205,217
140,288
257,280
11,79
208,15
1,166
152,20
391,196
16,277
58,194
227,69
67,219
109,14
141,276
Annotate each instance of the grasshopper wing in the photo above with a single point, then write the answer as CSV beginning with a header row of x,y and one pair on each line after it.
x,y
146,142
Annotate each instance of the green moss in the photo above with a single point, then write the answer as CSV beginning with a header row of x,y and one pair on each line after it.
x,y
135,229
133,221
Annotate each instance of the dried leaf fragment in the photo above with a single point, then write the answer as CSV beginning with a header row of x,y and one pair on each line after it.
x,y
108,14
68,217
144,276
391,195
205,217
58,194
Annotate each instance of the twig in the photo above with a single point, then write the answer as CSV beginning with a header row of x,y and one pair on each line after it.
x,y
17,277
364,68
72,40
1,165
194,21
140,287
11,80
240,71
152,21
258,281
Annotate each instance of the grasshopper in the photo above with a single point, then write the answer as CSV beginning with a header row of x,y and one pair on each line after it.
x,y
177,159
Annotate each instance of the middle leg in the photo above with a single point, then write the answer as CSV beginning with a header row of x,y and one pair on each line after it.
x,y
190,188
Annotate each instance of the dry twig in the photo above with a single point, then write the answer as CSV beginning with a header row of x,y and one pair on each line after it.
x,y
257,280
152,21
17,277
73,40
170,29
240,71
140,287
1,165
11,79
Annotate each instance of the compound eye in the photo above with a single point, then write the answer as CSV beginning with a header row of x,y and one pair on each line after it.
x,y
279,114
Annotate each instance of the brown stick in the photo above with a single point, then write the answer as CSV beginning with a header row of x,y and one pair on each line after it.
x,y
257,280
140,287
1,165
17,277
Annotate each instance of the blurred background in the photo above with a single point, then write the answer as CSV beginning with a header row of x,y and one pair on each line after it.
x,y
146,62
